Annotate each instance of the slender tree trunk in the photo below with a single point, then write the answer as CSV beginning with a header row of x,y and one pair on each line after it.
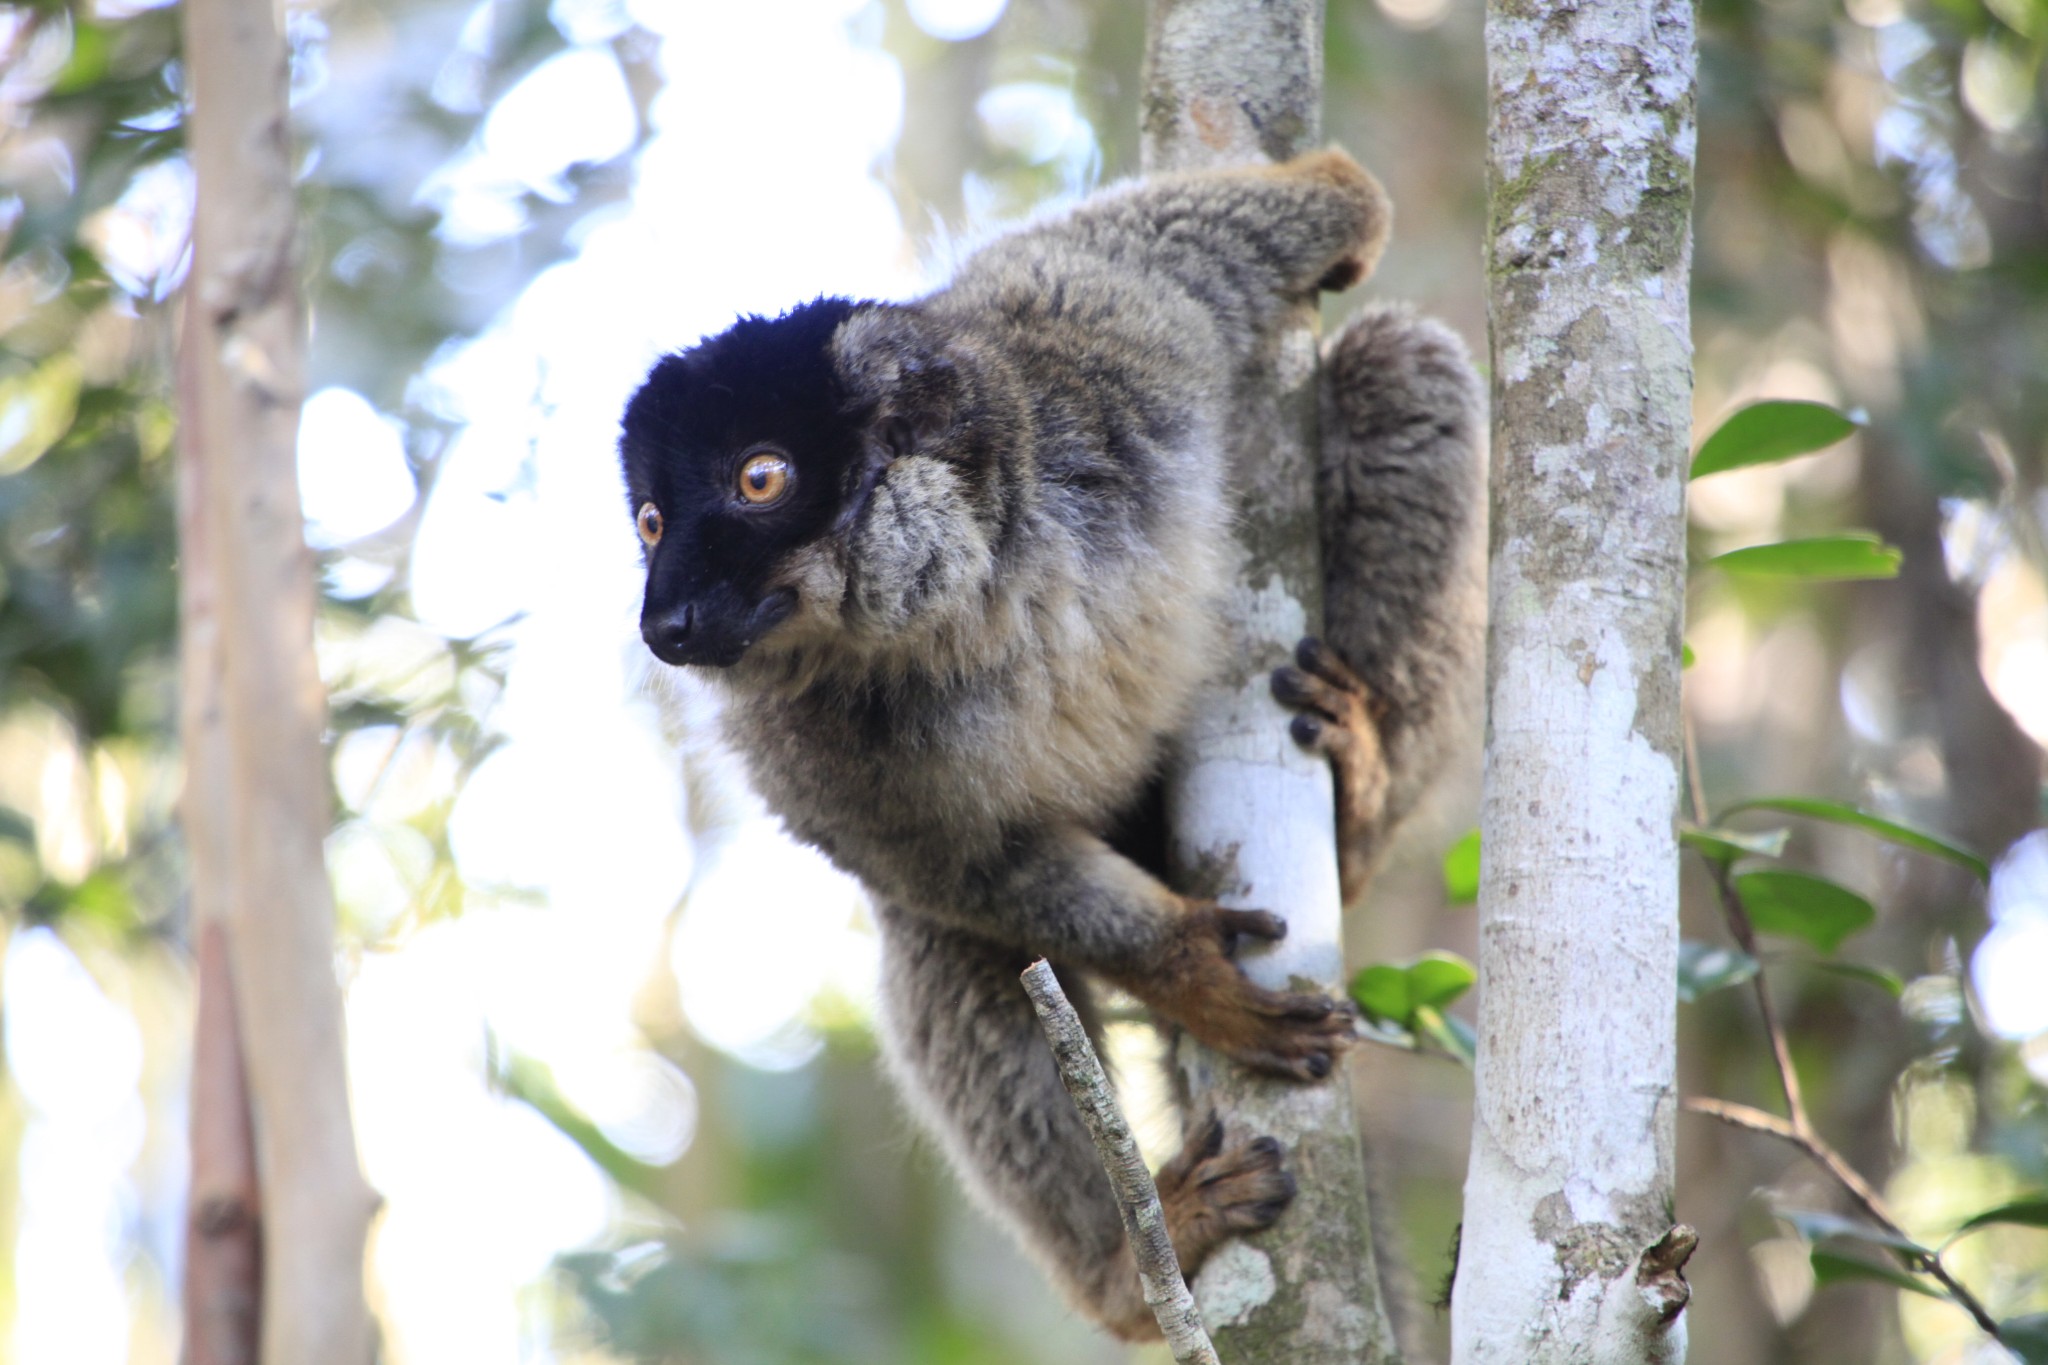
x,y
1568,1199
1228,82
255,809
224,1224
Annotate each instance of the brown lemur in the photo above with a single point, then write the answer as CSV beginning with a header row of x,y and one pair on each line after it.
x,y
953,565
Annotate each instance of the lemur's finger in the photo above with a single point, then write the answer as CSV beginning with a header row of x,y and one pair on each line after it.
x,y
1315,657
1259,924
1339,742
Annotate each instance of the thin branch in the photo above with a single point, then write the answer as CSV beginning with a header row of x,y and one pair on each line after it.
x,y
1745,938
224,1227
1872,1203
1745,1116
1797,1127
1694,783
1166,1292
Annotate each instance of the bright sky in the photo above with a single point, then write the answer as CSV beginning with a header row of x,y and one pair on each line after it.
x,y
583,802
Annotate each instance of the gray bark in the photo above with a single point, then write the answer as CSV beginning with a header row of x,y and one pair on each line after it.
x,y
1570,1185
255,808
1230,82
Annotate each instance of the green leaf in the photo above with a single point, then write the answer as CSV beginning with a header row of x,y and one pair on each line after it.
x,y
1704,968
1815,1226
36,409
1686,658
1891,983
1832,1268
1889,830
1461,870
1381,990
1402,993
2031,1212
1437,978
1768,432
1448,1032
91,49
1800,906
2026,1338
1724,846
1850,555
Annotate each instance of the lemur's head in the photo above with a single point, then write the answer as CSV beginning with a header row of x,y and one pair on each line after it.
x,y
828,478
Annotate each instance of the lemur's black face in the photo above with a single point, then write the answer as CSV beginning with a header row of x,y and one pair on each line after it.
x,y
738,452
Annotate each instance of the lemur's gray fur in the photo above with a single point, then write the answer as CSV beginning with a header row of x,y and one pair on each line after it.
x,y
967,600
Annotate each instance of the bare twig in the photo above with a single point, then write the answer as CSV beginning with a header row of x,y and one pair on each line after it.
x,y
1166,1292
1797,1127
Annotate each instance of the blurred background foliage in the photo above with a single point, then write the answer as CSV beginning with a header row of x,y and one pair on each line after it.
x,y
587,1164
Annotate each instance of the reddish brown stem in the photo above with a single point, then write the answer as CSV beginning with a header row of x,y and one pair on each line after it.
x,y
224,1226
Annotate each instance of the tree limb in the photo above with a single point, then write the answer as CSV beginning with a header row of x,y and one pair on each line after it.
x,y
1229,82
256,809
1166,1292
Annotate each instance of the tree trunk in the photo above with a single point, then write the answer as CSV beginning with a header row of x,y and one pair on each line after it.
x,y
1230,82
1569,1192
255,808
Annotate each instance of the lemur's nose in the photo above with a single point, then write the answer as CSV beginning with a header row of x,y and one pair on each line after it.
x,y
668,635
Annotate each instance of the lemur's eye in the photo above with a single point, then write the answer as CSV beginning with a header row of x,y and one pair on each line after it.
x,y
764,478
649,522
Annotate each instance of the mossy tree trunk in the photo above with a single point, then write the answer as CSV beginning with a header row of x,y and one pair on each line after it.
x,y
1589,245
1230,82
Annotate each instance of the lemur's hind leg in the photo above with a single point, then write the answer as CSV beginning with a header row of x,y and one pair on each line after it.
x,y
961,1036
1337,715
1393,686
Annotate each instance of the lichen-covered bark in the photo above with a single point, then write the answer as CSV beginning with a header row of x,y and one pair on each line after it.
x,y
1590,169
1232,81
255,809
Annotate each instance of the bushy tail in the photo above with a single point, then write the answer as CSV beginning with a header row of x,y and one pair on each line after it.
x,y
1402,494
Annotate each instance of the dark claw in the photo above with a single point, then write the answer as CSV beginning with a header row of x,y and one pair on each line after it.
x,y
1268,1146
1306,729
1310,1008
1207,1140
1290,687
1319,1064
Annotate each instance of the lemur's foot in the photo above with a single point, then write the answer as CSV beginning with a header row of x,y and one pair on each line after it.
x,y
1196,984
1210,1192
1337,715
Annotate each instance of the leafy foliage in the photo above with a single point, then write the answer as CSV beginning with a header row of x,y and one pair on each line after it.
x,y
1767,432
1850,555
1704,968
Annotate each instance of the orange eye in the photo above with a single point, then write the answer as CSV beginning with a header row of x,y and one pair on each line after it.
x,y
764,478
649,522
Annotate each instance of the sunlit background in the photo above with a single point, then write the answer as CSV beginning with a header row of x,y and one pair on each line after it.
x,y
607,1028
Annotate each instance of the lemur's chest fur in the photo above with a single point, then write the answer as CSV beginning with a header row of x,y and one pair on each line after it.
x,y
893,773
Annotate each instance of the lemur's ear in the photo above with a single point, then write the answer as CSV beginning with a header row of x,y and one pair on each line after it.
x,y
898,365
927,394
